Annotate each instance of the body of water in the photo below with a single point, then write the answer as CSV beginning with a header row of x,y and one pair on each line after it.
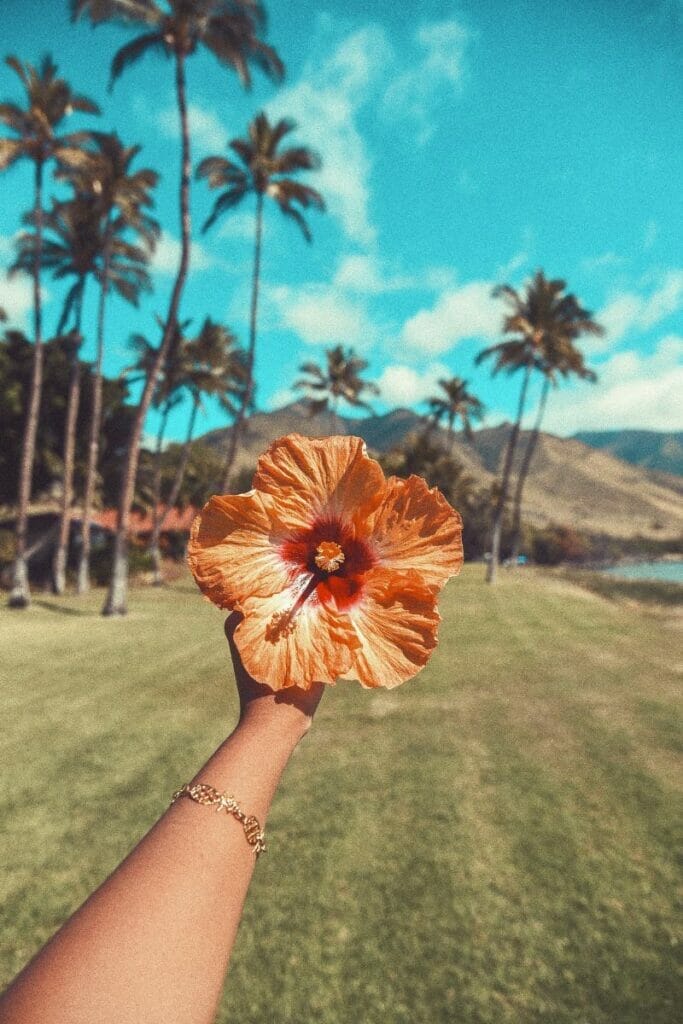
x,y
671,572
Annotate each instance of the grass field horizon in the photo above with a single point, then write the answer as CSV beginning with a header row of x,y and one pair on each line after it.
x,y
493,841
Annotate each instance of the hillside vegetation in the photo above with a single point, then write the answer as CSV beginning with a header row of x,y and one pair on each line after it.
x,y
652,449
492,842
570,483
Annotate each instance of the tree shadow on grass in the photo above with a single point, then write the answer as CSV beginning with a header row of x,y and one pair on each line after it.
x,y
62,609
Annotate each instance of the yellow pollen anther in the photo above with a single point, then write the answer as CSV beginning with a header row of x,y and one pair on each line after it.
x,y
329,556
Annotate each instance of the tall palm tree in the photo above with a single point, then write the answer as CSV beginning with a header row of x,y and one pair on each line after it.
x,y
79,245
167,394
122,198
339,381
566,360
230,29
216,367
68,249
49,100
262,171
455,403
541,317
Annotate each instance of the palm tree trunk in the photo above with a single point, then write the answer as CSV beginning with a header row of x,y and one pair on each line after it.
x,y
83,579
117,596
499,512
524,472
61,554
156,498
20,596
336,422
236,432
62,548
182,465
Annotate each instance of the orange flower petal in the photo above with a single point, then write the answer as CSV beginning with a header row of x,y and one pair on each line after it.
x,y
313,478
416,528
397,624
318,648
230,551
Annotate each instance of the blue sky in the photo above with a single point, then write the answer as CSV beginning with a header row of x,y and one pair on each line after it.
x,y
463,145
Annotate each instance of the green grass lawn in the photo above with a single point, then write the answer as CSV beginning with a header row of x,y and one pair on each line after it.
x,y
492,842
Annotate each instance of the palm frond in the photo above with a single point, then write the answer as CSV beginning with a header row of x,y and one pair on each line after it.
x,y
233,40
12,116
74,294
127,12
11,150
132,52
298,218
16,65
226,201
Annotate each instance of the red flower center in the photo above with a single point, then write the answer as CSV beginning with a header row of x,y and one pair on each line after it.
x,y
334,557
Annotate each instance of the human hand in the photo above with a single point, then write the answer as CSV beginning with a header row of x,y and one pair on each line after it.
x,y
290,710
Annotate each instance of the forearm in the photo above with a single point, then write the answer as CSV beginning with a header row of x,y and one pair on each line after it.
x,y
153,942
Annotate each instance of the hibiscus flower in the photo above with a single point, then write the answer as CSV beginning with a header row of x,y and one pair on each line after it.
x,y
335,569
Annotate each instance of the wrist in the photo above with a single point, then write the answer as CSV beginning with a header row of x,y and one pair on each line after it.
x,y
280,723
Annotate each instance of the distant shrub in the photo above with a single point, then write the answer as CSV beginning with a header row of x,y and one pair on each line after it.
x,y
557,544
174,544
6,547
654,592
139,561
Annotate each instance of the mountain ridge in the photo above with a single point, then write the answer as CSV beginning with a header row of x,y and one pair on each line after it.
x,y
652,449
570,483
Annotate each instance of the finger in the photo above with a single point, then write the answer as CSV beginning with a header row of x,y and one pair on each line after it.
x,y
231,623
306,700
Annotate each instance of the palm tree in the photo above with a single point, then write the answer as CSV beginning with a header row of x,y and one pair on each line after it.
x,y
176,28
262,171
340,380
215,366
456,403
168,393
539,319
79,246
122,198
49,100
565,360
68,253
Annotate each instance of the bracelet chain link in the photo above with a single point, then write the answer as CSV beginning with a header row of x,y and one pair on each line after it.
x,y
206,795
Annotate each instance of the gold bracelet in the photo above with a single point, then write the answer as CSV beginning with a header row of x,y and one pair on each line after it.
x,y
204,794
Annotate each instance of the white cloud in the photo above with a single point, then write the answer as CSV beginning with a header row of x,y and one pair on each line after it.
x,y
362,273
465,312
664,301
16,298
605,261
326,102
617,317
439,279
240,224
634,391
207,131
437,71
334,91
319,314
515,263
628,311
167,255
282,397
444,44
7,251
404,385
